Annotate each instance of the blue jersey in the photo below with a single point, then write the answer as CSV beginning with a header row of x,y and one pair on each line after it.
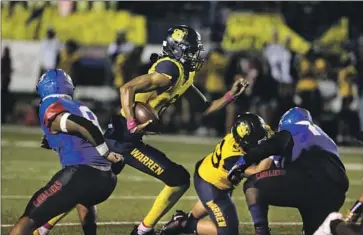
x,y
307,135
72,150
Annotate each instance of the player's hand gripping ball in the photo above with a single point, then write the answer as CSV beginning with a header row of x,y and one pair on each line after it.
x,y
147,118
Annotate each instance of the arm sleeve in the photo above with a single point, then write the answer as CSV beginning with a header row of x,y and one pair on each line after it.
x,y
169,69
276,145
92,133
52,111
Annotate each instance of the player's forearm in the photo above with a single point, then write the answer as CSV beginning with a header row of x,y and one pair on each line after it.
x,y
144,83
127,96
220,103
76,125
128,91
239,86
263,165
215,106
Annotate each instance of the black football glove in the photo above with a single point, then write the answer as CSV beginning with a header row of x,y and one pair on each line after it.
x,y
236,174
44,143
176,225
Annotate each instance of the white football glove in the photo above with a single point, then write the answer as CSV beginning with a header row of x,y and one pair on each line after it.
x,y
324,229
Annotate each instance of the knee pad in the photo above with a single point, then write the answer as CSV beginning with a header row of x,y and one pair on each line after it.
x,y
176,176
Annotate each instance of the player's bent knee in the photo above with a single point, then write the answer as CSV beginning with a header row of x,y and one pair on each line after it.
x,y
176,176
249,183
24,225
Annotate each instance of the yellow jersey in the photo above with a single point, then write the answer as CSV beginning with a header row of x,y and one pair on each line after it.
x,y
162,98
214,167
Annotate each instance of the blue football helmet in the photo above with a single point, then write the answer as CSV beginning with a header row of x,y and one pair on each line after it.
x,y
55,82
292,116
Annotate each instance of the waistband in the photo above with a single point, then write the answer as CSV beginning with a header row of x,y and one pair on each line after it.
x,y
101,168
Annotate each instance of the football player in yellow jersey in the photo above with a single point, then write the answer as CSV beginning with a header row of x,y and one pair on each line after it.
x,y
170,77
212,185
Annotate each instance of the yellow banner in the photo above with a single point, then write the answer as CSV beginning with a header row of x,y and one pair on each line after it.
x,y
95,27
337,33
245,31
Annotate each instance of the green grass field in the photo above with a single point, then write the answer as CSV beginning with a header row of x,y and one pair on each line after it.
x,y
25,167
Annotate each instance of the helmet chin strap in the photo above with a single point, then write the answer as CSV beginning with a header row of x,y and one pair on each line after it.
x,y
57,96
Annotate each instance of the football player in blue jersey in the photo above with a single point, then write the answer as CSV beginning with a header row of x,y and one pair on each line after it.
x,y
312,177
72,130
87,215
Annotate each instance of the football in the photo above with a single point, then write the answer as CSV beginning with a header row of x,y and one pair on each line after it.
x,y
144,112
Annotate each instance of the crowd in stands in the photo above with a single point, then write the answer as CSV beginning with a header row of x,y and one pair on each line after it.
x,y
325,81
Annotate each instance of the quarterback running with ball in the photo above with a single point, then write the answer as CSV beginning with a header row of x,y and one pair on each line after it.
x,y
169,78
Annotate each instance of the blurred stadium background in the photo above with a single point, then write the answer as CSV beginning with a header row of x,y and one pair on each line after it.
x,y
293,53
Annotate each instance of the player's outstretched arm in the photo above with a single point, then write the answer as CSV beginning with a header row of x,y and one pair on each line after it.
x,y
144,83
73,124
198,100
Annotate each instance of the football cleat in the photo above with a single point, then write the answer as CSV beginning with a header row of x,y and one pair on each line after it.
x,y
176,225
135,232
41,231
262,231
